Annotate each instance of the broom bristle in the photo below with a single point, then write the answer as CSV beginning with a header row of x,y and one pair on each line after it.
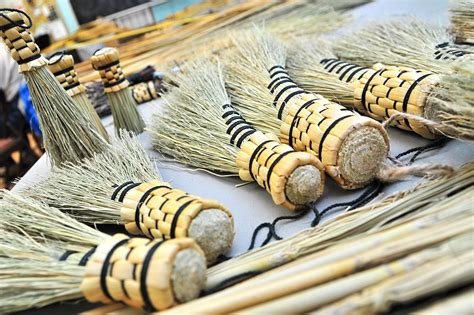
x,y
84,189
462,20
403,41
191,129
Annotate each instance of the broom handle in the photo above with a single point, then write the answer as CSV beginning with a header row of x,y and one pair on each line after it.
x,y
106,61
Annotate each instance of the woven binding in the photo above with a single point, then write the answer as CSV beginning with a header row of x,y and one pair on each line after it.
x,y
106,61
144,92
134,271
20,41
63,70
382,91
156,210
314,124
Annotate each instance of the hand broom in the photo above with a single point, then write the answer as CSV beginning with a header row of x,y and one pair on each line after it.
x,y
57,258
68,133
121,186
62,67
351,147
124,109
414,100
200,128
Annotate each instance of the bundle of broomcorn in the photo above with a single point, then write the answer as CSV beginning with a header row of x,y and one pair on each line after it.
x,y
404,248
124,109
62,67
47,257
351,147
68,132
424,102
200,128
462,20
121,186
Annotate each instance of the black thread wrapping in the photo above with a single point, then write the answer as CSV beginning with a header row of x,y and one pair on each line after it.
x,y
141,201
87,256
407,95
259,148
326,133
105,267
270,169
118,188
419,150
174,222
304,106
148,306
66,254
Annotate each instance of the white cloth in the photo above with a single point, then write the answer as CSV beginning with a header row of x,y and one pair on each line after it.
x,y
10,78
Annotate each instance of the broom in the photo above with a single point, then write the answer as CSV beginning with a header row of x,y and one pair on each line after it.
x,y
413,100
351,147
430,224
121,186
68,133
62,67
200,128
57,258
124,108
406,41
146,91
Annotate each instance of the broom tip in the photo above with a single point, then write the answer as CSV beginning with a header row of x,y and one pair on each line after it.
x,y
189,275
213,230
304,185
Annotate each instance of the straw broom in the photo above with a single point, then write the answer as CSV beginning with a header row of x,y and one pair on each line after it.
x,y
344,227
153,275
351,147
402,96
200,128
346,258
62,67
124,108
121,186
68,134
406,41
408,288
462,25
145,91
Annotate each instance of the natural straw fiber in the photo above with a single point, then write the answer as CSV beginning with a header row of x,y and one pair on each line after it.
x,y
407,41
383,91
152,275
144,92
351,147
462,20
124,109
62,67
121,186
68,134
359,249
222,141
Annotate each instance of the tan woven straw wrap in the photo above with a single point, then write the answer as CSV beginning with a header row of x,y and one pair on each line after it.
x,y
350,146
134,271
156,210
144,92
106,61
263,159
20,42
382,91
63,69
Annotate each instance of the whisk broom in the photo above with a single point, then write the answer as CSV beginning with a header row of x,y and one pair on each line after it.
x,y
68,133
351,147
121,186
57,258
411,99
201,128
62,67
124,108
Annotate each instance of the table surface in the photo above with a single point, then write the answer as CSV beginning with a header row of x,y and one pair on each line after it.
x,y
250,204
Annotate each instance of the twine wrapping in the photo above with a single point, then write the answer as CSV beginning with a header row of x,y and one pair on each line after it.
x,y
383,91
351,147
107,62
156,210
62,68
144,92
134,271
263,159
19,40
